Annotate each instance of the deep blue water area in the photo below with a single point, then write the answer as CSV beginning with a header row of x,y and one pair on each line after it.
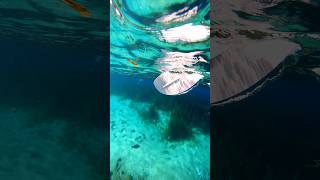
x,y
54,101
273,134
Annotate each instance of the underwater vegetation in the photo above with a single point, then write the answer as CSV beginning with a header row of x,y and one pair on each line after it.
x,y
185,120
178,127
149,114
182,119
185,112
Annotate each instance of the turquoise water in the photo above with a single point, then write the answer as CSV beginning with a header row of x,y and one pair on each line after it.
x,y
155,136
138,35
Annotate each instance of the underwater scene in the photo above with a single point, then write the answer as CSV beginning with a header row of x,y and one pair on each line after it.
x,y
160,89
53,90
265,103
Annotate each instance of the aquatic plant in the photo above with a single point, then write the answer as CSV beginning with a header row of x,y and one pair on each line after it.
x,y
178,127
149,114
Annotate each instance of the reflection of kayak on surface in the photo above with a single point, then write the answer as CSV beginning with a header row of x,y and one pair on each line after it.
x,y
244,50
242,66
172,83
179,74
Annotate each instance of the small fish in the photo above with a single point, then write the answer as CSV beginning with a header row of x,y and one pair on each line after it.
x,y
133,63
78,7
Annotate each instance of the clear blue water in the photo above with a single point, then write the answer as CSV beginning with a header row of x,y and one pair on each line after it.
x,y
155,136
135,33
140,116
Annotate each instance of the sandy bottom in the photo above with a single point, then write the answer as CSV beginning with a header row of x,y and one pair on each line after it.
x,y
138,150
